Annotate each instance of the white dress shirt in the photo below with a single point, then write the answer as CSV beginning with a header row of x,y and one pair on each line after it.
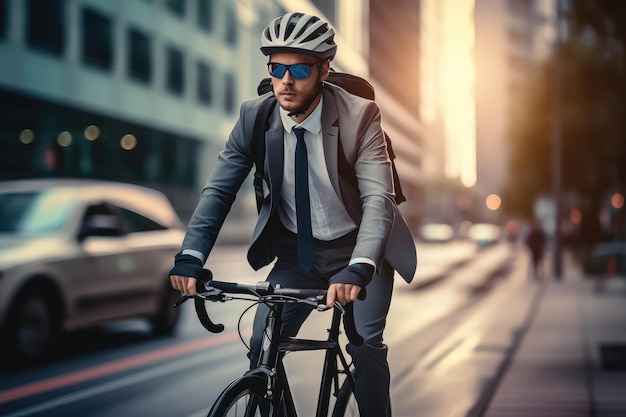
x,y
329,218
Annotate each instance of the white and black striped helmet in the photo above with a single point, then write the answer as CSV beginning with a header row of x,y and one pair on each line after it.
x,y
299,32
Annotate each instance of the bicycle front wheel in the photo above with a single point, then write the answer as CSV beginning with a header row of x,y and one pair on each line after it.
x,y
244,397
346,405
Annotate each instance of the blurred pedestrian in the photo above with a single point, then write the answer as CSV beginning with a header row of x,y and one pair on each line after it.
x,y
536,242
321,232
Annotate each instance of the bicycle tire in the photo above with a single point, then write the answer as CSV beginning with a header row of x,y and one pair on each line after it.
x,y
244,397
346,404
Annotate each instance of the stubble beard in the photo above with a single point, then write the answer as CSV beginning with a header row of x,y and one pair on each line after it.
x,y
302,105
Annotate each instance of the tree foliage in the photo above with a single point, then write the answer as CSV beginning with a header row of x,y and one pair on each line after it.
x,y
592,103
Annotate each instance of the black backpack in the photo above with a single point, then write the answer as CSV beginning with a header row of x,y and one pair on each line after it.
x,y
351,83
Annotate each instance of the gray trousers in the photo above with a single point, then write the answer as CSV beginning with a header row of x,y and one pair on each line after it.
x,y
371,375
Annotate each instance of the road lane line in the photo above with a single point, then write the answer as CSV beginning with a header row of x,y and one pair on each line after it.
x,y
151,373
141,359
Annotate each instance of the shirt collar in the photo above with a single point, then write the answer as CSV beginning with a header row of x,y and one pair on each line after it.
x,y
313,123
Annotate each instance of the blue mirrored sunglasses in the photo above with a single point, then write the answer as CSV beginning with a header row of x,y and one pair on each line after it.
x,y
297,71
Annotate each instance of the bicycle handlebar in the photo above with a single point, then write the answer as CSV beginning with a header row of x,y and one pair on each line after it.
x,y
216,291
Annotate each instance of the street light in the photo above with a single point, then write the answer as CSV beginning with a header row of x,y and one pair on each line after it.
x,y
493,202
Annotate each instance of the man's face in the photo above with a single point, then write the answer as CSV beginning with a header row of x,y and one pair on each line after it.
x,y
291,93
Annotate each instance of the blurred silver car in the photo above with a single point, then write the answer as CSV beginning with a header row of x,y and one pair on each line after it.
x,y
485,234
80,253
436,232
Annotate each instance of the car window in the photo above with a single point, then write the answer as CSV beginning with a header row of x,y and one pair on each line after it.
x,y
135,222
34,212
102,219
13,208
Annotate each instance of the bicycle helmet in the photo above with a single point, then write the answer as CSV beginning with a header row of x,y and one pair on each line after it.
x,y
299,32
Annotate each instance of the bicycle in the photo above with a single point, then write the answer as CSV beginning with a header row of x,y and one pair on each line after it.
x,y
264,390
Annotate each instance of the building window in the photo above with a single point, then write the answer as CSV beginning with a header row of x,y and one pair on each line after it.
x,y
97,39
229,93
3,18
176,6
205,15
175,81
205,93
139,56
231,25
46,25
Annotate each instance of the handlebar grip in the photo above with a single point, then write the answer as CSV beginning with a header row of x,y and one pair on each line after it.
x,y
206,275
203,316
227,286
348,324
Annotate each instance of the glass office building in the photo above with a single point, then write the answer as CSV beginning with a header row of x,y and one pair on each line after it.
x,y
146,91
136,90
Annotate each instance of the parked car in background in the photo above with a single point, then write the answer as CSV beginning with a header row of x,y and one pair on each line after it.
x,y
436,232
485,234
76,254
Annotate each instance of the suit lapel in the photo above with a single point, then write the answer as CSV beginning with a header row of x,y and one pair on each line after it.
x,y
274,152
330,137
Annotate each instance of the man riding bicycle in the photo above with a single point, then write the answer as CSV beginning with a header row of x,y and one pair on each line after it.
x,y
320,230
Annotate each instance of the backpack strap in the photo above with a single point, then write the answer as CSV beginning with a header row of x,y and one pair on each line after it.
x,y
261,125
400,197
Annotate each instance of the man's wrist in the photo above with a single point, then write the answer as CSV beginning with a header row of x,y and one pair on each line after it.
x,y
187,266
367,268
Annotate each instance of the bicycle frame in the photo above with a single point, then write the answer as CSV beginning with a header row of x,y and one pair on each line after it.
x,y
271,366
267,383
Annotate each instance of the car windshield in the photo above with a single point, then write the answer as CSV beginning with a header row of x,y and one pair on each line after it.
x,y
33,212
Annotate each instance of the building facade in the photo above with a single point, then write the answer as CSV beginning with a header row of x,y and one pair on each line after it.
x,y
394,66
144,91
513,37
447,97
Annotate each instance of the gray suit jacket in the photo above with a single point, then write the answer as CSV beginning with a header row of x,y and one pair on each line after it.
x,y
383,233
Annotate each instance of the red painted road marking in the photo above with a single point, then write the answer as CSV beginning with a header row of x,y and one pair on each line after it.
x,y
53,383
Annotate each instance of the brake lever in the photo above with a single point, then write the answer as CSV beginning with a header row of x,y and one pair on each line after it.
x,y
181,300
339,307
319,303
212,294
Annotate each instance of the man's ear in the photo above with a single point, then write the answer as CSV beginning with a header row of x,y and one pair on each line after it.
x,y
325,69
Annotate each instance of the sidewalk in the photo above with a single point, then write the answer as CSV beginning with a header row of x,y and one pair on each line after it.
x,y
572,360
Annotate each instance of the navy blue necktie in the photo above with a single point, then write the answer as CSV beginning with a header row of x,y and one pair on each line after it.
x,y
306,249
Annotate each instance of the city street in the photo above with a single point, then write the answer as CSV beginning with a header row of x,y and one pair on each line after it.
x,y
447,340
137,136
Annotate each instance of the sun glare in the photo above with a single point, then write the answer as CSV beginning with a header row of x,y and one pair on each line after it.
x,y
458,90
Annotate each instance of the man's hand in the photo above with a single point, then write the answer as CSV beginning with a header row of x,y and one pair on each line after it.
x,y
349,284
186,285
344,293
184,275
